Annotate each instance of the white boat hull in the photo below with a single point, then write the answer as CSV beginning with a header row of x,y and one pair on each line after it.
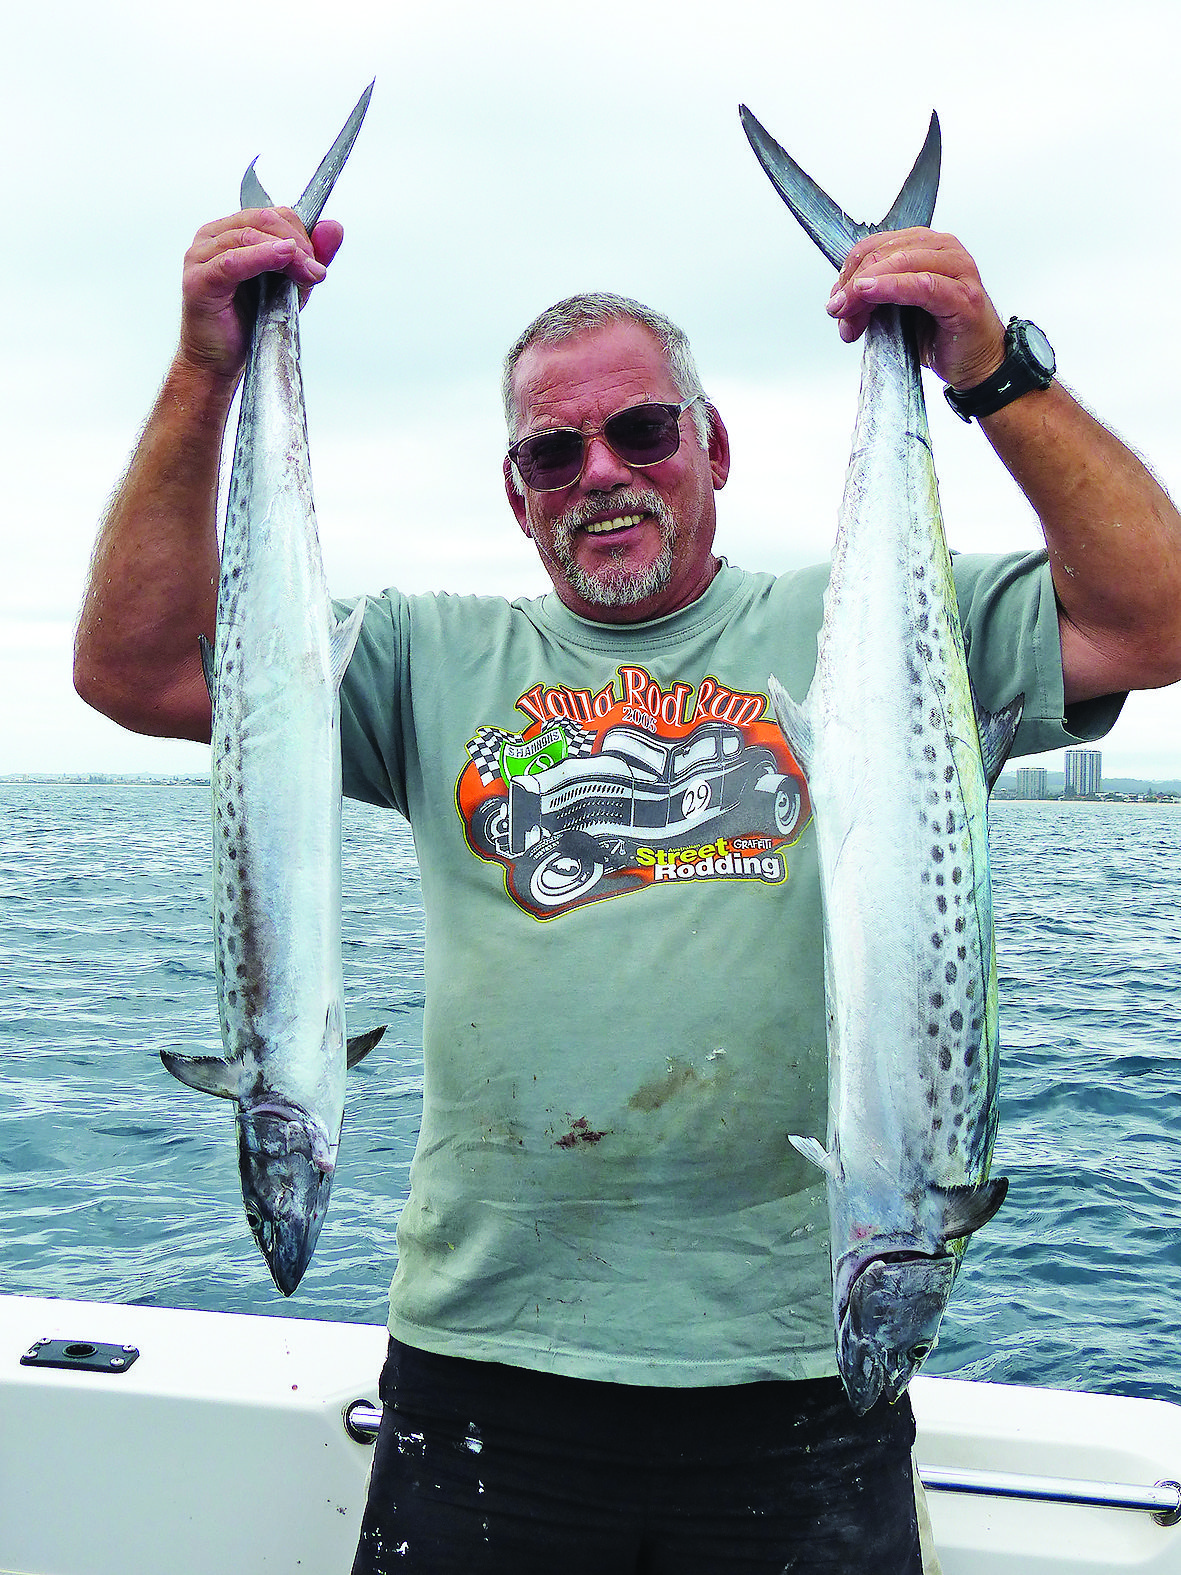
x,y
223,1446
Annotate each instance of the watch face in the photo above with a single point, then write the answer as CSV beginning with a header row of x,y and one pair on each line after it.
x,y
1040,350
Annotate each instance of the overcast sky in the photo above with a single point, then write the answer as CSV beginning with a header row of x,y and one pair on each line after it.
x,y
513,154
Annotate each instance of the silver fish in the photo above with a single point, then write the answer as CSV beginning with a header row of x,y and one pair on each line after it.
x,y
273,680
899,760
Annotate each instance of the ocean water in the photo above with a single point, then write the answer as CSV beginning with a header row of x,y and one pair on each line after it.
x,y
118,1184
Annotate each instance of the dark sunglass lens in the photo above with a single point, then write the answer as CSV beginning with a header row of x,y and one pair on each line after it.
x,y
644,434
550,459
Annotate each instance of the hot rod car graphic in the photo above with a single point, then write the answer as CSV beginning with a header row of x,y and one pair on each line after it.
x,y
561,826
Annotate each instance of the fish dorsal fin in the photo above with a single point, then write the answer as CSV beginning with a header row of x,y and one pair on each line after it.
x,y
360,1045
342,641
207,665
208,1074
818,1154
829,225
253,193
997,731
965,1209
794,723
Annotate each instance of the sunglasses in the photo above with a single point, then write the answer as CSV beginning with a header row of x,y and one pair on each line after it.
x,y
639,435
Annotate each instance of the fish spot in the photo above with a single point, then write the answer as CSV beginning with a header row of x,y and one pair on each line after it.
x,y
945,1059
969,1055
957,1021
962,953
958,1118
951,973
952,1141
937,854
950,823
949,774
240,970
941,904
937,1123
929,752
937,998
933,1030
231,945
232,997
936,940
957,1093
939,880
959,925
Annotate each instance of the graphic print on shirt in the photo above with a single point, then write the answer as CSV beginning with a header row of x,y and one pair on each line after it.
x,y
635,786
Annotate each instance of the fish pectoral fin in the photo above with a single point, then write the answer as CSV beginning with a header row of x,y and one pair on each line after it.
x,y
208,1074
253,193
997,731
818,1154
207,664
360,1045
342,641
793,721
965,1209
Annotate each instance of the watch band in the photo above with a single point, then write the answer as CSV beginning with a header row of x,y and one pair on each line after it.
x,y
1028,365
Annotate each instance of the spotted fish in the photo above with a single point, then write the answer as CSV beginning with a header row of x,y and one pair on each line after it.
x,y
899,760
273,682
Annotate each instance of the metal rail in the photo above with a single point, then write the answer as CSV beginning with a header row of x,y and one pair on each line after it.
x,y
1162,1501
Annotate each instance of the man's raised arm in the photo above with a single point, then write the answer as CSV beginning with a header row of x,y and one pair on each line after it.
x,y
1113,534
153,577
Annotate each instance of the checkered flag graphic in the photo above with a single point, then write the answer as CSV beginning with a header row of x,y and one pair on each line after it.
x,y
488,742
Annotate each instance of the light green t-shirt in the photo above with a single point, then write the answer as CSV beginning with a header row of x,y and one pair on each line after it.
x,y
624,964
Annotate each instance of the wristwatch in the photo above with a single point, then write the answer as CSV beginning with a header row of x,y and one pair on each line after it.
x,y
1028,364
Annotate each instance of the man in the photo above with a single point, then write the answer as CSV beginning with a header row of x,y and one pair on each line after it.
x,y
612,1345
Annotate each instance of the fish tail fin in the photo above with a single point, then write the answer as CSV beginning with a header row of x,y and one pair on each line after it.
x,y
208,665
311,205
253,193
794,723
818,1154
343,641
966,1209
997,731
830,226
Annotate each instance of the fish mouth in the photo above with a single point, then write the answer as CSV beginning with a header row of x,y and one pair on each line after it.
x,y
286,1172
890,1323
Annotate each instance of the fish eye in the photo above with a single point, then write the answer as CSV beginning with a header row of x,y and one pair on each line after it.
x,y
920,1353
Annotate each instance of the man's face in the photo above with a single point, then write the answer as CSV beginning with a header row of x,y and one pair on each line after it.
x,y
620,544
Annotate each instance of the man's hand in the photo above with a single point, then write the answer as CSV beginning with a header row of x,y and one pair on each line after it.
x,y
962,338
223,256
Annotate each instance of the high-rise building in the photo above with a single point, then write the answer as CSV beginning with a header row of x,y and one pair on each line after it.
x,y
1084,773
1032,782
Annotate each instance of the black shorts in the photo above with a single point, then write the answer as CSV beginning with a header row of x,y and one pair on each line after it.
x,y
498,1470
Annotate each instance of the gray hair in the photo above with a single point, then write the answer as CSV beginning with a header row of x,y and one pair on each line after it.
x,y
595,309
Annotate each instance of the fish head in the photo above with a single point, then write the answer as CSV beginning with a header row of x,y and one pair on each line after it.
x,y
889,1323
286,1171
